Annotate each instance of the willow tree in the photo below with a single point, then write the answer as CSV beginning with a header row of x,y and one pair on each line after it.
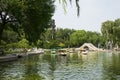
x,y
117,31
107,31
110,30
64,3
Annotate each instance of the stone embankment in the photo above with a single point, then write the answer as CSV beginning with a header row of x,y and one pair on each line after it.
x,y
7,58
14,57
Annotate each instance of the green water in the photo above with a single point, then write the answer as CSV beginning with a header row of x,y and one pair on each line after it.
x,y
94,66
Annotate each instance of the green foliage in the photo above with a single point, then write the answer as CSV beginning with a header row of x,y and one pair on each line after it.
x,y
9,48
38,15
107,29
69,38
33,16
3,42
78,38
50,44
13,45
110,30
23,44
94,38
10,36
62,45
64,3
116,29
39,43
61,36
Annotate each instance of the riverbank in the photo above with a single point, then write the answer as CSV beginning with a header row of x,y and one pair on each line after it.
x,y
14,57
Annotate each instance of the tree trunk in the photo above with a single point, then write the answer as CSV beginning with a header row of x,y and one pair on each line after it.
x,y
1,31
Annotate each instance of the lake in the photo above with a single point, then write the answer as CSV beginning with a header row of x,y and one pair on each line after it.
x,y
93,66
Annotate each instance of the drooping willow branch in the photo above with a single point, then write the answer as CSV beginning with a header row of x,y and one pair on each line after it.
x,y
64,3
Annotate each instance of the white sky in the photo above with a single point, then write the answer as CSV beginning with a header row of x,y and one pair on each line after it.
x,y
92,14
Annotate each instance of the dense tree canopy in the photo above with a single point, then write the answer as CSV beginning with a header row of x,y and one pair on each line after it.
x,y
62,38
94,38
78,37
111,31
33,16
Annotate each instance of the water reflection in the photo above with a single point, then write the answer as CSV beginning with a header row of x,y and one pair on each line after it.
x,y
93,66
111,65
51,59
31,68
